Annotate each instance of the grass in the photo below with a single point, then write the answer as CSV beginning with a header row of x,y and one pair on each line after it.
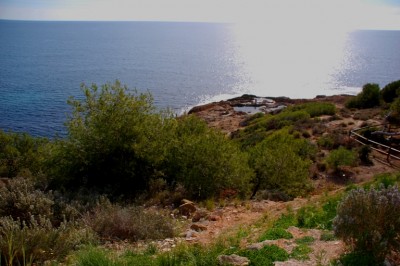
x,y
301,252
275,233
265,256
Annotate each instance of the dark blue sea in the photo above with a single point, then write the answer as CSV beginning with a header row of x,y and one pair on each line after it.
x,y
42,64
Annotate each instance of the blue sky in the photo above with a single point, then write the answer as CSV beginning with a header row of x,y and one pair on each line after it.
x,y
341,14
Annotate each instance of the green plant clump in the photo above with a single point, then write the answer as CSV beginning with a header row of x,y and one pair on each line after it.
x,y
341,157
369,97
275,233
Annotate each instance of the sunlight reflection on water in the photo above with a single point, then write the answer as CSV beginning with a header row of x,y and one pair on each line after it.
x,y
293,63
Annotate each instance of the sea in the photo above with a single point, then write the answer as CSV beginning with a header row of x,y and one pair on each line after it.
x,y
182,64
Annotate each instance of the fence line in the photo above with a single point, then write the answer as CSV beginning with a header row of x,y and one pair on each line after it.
x,y
390,152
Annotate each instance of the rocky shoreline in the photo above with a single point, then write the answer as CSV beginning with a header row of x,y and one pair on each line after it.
x,y
229,115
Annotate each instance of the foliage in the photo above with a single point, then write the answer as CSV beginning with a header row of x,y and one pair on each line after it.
x,y
116,140
368,221
128,223
257,129
275,233
285,221
315,109
327,236
19,153
20,200
369,97
265,256
341,157
205,161
300,252
315,216
281,162
363,154
36,241
356,259
390,92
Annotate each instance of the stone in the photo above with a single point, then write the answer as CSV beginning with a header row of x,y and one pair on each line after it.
x,y
200,214
198,227
233,260
187,209
214,218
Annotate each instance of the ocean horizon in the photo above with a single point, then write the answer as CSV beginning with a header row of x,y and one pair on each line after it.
x,y
182,64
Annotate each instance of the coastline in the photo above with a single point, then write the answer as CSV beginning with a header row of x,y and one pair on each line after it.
x,y
230,115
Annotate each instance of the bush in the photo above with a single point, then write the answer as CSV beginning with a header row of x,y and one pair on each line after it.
x,y
315,109
275,233
20,152
369,222
128,223
282,163
20,200
369,97
37,241
116,141
265,256
314,216
341,157
205,162
390,92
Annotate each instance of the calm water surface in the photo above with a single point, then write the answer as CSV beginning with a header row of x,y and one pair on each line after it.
x,y
181,64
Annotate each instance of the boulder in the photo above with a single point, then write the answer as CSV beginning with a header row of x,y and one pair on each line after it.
x,y
200,214
187,208
233,260
198,227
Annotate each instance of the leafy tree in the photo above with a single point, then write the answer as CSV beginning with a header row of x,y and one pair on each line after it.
x,y
206,161
369,97
390,92
116,140
281,163
369,221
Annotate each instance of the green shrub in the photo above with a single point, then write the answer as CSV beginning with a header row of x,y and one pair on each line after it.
x,y
369,97
327,236
386,179
206,162
116,141
281,163
19,153
341,157
265,256
285,221
326,142
369,222
300,252
128,223
275,233
315,109
315,216
390,92
20,200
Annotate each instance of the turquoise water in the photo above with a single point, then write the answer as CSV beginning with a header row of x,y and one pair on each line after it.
x,y
181,64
